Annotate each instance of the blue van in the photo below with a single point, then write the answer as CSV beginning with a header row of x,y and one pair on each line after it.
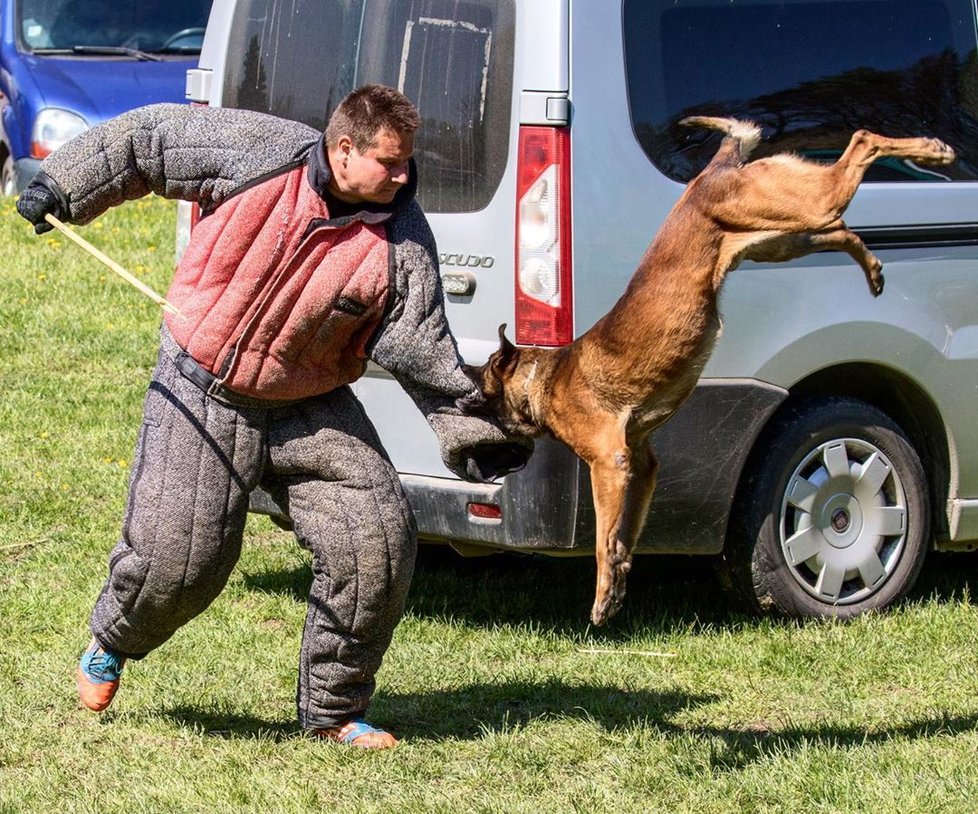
x,y
66,65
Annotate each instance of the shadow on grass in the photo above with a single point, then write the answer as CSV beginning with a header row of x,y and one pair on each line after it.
x,y
741,748
482,710
545,592
230,726
664,592
471,711
477,710
474,710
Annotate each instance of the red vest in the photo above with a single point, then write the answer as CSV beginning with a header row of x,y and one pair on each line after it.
x,y
277,307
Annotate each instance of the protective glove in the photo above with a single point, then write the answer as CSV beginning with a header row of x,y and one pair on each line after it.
x,y
477,448
486,462
43,196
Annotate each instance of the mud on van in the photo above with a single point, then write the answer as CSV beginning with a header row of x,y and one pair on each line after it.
x,y
832,440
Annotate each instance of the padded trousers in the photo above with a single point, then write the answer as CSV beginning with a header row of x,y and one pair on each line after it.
x,y
197,460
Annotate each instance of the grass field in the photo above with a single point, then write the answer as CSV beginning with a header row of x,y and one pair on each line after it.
x,y
506,699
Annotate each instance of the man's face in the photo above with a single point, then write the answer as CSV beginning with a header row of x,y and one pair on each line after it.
x,y
375,175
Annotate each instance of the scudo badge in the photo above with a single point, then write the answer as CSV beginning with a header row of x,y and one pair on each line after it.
x,y
470,261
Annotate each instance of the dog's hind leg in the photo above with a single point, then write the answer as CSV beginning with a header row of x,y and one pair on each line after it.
x,y
790,194
864,148
622,483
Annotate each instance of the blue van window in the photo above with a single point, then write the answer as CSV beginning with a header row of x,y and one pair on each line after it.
x,y
73,26
811,73
452,58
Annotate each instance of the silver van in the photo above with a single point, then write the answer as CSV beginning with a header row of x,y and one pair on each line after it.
x,y
833,439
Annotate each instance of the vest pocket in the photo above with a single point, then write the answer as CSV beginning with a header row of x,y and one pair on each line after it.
x,y
350,306
326,341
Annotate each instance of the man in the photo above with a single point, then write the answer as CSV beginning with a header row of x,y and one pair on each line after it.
x,y
310,258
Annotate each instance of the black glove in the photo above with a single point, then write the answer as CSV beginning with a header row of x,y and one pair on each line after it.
x,y
42,197
487,462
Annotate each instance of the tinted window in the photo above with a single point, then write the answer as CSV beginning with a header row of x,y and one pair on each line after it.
x,y
453,59
810,73
174,26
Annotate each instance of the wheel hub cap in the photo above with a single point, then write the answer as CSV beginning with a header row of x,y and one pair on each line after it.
x,y
843,521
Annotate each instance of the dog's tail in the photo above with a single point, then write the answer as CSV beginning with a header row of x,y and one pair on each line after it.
x,y
746,134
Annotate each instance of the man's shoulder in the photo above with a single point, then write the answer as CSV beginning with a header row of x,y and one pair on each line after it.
x,y
412,238
410,222
254,122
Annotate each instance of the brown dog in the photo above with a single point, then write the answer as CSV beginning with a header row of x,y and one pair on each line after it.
x,y
605,392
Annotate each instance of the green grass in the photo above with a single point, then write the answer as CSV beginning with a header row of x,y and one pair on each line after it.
x,y
506,699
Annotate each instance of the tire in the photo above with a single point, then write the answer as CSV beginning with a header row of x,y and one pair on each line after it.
x,y
832,517
8,178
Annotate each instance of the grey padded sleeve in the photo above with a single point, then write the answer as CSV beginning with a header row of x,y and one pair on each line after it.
x,y
177,151
417,347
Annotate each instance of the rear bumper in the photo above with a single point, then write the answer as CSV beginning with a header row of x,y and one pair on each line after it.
x,y
547,507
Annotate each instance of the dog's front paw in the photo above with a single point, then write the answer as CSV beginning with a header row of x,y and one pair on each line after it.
x,y
877,283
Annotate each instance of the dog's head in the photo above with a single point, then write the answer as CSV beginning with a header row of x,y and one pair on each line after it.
x,y
503,382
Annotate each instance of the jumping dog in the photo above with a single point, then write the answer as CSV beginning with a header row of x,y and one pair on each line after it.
x,y
604,393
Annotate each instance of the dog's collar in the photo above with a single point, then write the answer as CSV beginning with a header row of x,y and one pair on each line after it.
x,y
526,390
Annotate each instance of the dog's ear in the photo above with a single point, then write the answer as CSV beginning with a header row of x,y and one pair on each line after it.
x,y
504,360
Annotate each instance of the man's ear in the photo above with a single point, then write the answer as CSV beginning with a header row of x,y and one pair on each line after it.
x,y
504,360
343,148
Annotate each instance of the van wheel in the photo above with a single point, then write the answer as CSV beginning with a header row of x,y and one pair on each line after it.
x,y
832,517
8,178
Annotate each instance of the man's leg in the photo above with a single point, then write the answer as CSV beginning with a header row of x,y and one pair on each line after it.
x,y
196,462
332,474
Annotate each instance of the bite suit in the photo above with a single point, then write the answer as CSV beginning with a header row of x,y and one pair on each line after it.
x,y
284,297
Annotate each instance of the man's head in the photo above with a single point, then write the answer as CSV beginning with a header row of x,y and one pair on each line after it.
x,y
369,141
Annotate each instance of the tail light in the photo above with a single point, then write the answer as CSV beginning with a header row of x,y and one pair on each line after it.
x,y
544,314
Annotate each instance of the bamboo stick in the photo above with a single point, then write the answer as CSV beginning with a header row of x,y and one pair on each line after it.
x,y
72,235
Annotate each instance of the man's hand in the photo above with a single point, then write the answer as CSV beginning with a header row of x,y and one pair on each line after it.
x,y
42,197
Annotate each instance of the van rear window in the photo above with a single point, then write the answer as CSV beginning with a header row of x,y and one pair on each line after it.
x,y
810,73
452,58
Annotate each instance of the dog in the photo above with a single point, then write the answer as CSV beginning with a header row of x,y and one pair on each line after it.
x,y
604,393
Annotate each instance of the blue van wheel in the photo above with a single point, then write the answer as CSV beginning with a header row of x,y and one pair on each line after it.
x,y
8,177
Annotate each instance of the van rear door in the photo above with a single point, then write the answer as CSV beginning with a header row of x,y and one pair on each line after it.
x,y
456,59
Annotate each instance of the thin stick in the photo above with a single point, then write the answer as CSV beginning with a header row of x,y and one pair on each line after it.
x,y
613,652
72,235
26,544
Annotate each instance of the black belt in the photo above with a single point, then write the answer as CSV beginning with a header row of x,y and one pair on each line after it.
x,y
189,367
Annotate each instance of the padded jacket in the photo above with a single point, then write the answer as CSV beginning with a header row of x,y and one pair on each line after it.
x,y
281,300
278,299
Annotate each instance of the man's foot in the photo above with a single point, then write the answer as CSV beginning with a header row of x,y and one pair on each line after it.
x,y
98,676
360,734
